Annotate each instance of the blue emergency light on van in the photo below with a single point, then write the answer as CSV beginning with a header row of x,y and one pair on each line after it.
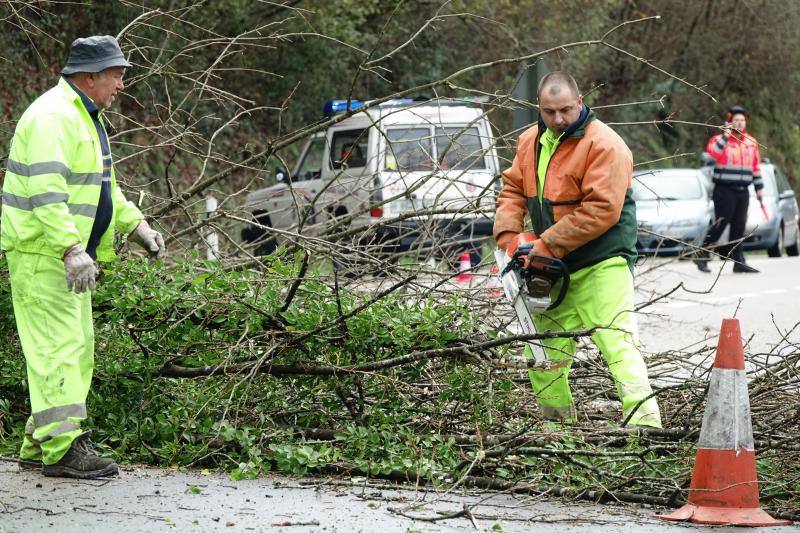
x,y
338,106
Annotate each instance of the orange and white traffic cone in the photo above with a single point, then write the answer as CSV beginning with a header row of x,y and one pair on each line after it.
x,y
464,269
724,489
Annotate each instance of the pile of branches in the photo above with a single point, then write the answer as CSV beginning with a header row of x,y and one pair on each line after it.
x,y
405,377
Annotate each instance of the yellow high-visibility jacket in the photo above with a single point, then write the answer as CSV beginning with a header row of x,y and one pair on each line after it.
x,y
53,178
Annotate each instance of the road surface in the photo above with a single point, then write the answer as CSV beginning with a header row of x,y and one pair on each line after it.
x,y
153,500
766,304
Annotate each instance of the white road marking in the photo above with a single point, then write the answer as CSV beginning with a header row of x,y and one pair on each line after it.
x,y
775,291
677,305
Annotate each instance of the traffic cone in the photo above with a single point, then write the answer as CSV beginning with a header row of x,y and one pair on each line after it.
x,y
724,489
464,269
493,284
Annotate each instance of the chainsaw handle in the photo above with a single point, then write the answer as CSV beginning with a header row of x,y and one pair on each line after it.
x,y
518,254
564,285
552,263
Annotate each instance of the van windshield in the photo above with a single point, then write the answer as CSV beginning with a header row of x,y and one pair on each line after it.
x,y
311,165
409,149
459,148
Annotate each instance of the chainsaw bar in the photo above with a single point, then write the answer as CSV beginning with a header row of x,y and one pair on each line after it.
x,y
512,282
527,281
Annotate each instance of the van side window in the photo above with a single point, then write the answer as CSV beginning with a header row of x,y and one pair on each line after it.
x,y
310,168
459,149
349,149
409,149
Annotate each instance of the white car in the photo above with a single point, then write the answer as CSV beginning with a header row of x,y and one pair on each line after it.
x,y
673,210
413,175
774,227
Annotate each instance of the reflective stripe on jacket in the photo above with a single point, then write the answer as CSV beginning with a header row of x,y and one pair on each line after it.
x,y
737,161
53,179
586,214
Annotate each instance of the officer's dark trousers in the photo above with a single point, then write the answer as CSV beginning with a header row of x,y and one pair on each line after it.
x,y
730,207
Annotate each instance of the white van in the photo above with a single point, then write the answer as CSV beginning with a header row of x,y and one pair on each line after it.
x,y
409,175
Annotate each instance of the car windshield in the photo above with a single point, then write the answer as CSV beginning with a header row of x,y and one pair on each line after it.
x,y
662,185
768,176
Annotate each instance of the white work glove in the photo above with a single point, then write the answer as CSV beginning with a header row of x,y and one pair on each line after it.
x,y
149,239
81,272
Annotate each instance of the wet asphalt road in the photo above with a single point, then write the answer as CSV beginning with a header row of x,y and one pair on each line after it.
x,y
153,500
766,304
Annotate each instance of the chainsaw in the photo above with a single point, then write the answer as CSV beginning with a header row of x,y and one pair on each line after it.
x,y
527,283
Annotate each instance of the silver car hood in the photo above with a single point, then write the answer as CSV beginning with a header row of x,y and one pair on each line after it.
x,y
665,212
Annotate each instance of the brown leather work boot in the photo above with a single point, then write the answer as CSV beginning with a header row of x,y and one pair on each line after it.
x,y
82,462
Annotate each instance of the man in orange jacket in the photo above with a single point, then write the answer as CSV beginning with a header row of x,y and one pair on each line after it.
x,y
735,153
572,174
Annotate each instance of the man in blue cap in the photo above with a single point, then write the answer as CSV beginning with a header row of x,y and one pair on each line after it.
x,y
61,206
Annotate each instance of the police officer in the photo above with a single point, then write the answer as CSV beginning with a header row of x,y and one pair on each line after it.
x,y
736,167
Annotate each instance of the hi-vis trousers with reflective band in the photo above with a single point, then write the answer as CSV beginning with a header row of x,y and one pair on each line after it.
x,y
598,296
57,336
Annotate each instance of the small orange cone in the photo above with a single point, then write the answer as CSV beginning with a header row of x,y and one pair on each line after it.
x,y
724,489
464,269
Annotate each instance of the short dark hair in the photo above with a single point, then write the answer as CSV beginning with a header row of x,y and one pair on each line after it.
x,y
558,78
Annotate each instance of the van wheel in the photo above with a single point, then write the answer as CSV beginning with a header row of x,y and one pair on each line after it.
x,y
339,212
267,244
793,250
776,249
267,248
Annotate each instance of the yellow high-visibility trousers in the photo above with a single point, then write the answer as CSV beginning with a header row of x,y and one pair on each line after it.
x,y
599,296
57,336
